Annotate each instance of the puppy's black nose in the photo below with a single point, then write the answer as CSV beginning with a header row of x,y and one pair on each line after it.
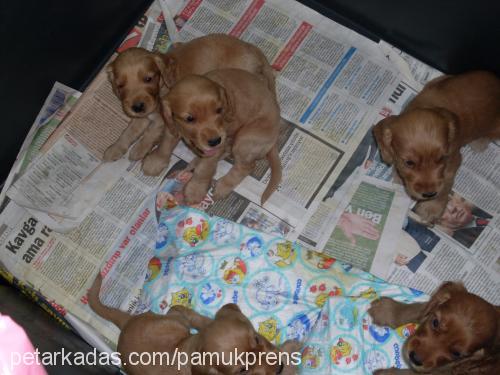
x,y
414,358
429,194
138,107
214,141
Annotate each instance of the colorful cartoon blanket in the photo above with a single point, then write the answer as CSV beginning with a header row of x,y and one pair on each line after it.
x,y
287,292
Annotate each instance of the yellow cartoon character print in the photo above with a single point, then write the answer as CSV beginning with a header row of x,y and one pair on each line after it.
x,y
318,260
369,293
181,298
321,293
193,235
342,350
269,329
285,254
193,230
321,299
236,273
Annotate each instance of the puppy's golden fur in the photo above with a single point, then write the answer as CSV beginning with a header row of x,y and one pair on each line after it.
x,y
229,330
227,111
457,330
424,141
140,77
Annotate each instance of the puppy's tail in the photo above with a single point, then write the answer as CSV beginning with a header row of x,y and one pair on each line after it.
x,y
273,157
119,318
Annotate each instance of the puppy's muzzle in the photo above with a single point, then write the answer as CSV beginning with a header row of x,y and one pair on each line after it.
x,y
429,195
138,107
214,141
415,359
280,368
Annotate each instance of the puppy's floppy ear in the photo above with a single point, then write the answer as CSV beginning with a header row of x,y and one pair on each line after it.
x,y
227,105
168,68
111,77
166,114
442,294
110,73
232,306
383,135
452,122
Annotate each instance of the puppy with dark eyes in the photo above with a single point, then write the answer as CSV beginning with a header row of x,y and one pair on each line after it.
x,y
457,330
139,78
225,112
136,79
424,141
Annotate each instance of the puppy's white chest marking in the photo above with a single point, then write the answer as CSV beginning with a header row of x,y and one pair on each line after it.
x,y
155,116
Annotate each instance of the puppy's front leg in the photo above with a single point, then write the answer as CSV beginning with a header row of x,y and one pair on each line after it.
x,y
197,188
233,178
158,160
134,130
431,211
151,137
386,312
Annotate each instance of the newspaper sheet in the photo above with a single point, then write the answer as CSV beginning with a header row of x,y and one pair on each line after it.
x,y
345,81
61,98
60,266
317,232
364,234
463,248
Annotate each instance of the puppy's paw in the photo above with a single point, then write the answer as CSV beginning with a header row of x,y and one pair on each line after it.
x,y
114,152
479,145
194,192
222,190
138,152
153,165
430,211
382,312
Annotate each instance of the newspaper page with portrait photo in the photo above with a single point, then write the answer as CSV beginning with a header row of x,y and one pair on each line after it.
x,y
463,246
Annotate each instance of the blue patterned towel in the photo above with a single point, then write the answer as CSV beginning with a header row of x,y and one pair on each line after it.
x,y
287,292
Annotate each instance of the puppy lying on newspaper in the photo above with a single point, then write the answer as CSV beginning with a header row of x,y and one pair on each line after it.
x,y
225,112
424,141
